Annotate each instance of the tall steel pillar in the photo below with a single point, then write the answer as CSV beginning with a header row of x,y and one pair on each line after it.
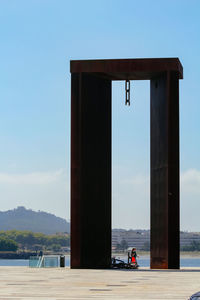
x,y
91,158
165,171
90,171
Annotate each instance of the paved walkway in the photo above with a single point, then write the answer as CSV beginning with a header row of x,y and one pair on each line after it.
x,y
60,284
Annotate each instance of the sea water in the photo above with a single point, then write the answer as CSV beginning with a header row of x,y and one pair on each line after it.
x,y
25,262
143,261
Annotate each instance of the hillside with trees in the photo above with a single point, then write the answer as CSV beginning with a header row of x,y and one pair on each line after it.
x,y
26,240
27,219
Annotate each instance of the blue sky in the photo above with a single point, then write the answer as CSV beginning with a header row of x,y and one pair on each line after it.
x,y
37,41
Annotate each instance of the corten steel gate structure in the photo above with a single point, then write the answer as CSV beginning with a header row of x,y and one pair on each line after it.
x,y
91,157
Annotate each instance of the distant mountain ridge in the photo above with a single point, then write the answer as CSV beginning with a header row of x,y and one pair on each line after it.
x,y
21,218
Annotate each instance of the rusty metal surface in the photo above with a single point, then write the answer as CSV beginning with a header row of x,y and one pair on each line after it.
x,y
173,171
91,172
132,69
159,169
75,171
165,172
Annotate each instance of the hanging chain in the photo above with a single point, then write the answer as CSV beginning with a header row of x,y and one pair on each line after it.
x,y
127,89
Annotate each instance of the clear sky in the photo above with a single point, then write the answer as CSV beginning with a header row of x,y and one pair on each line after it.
x,y
38,38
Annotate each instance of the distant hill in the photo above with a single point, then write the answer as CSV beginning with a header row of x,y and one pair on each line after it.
x,y
27,219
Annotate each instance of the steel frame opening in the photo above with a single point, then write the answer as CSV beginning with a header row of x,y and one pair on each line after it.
x,y
91,118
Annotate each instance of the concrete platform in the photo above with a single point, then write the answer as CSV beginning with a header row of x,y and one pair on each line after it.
x,y
60,284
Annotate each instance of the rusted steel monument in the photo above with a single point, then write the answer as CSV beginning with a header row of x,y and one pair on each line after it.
x,y
91,85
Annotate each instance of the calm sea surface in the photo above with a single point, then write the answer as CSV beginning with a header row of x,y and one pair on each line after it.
x,y
143,261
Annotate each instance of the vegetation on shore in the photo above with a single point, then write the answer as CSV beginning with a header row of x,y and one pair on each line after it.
x,y
7,244
13,240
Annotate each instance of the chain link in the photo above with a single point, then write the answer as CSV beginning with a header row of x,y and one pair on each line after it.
x,y
127,89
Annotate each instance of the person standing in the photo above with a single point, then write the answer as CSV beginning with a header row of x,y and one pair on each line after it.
x,y
134,257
